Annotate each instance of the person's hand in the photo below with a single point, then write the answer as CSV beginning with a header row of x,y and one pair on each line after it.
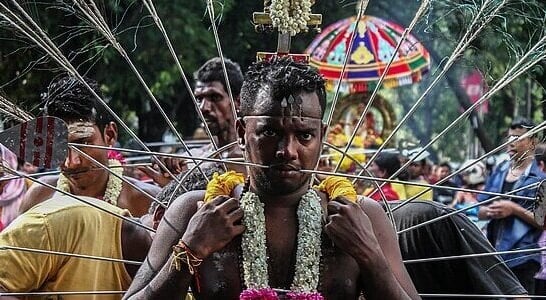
x,y
213,226
501,209
161,177
351,230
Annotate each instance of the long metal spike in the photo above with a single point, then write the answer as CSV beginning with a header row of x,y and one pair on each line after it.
x,y
151,8
12,171
418,14
122,178
85,256
98,21
40,38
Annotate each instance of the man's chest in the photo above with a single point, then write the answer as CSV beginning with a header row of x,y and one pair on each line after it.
x,y
222,275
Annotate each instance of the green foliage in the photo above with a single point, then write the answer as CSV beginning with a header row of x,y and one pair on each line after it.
x,y
26,71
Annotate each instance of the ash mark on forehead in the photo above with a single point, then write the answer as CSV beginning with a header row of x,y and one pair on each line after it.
x,y
81,130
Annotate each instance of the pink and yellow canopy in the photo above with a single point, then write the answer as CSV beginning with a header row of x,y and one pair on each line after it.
x,y
374,43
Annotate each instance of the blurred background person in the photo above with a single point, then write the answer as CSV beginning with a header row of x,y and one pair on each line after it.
x,y
414,174
444,196
12,190
384,166
511,222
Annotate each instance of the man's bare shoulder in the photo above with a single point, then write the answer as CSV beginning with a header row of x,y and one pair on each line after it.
x,y
38,192
370,206
147,187
186,204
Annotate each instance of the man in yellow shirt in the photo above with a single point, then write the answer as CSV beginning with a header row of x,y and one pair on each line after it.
x,y
68,225
64,224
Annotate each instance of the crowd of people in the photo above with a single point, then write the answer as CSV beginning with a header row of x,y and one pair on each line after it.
x,y
267,235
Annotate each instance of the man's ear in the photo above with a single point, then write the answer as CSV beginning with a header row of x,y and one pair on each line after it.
x,y
323,130
240,126
110,134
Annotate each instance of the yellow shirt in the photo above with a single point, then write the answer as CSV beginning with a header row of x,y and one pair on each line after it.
x,y
64,224
407,191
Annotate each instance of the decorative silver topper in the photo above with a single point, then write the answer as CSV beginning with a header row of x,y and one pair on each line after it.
x,y
42,142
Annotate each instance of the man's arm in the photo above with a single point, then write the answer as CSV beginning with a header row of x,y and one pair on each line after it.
x,y
364,232
204,230
155,278
31,269
38,193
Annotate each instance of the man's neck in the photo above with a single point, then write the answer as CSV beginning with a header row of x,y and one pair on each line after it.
x,y
284,201
523,163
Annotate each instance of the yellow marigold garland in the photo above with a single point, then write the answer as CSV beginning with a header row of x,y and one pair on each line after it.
x,y
223,184
335,186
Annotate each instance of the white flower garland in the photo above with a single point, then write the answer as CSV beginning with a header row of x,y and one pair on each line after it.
x,y
113,186
290,16
253,244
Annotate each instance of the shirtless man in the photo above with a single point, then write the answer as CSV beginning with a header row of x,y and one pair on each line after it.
x,y
211,93
88,123
282,103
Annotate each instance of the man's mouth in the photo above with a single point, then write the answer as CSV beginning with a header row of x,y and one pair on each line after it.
x,y
285,170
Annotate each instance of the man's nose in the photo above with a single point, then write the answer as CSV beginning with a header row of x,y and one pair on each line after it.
x,y
287,149
73,159
205,106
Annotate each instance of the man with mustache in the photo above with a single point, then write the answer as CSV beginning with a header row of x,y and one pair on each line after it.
x,y
47,226
88,123
511,224
211,93
257,242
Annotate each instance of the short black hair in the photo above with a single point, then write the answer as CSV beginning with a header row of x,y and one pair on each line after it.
x,y
388,162
70,100
212,70
521,122
284,77
445,164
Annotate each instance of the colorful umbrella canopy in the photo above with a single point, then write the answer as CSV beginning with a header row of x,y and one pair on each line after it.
x,y
373,46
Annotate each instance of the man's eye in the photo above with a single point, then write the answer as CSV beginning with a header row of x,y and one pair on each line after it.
x,y
269,133
306,136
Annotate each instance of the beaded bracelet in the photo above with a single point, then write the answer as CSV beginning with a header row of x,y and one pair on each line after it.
x,y
183,254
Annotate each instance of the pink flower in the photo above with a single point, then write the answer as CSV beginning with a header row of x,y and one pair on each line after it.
x,y
258,294
305,296
113,154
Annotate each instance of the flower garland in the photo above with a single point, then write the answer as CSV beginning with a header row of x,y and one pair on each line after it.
x,y
253,244
113,186
280,15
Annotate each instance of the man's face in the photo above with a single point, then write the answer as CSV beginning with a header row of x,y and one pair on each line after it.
x,y
415,169
522,148
279,138
442,172
79,170
215,105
